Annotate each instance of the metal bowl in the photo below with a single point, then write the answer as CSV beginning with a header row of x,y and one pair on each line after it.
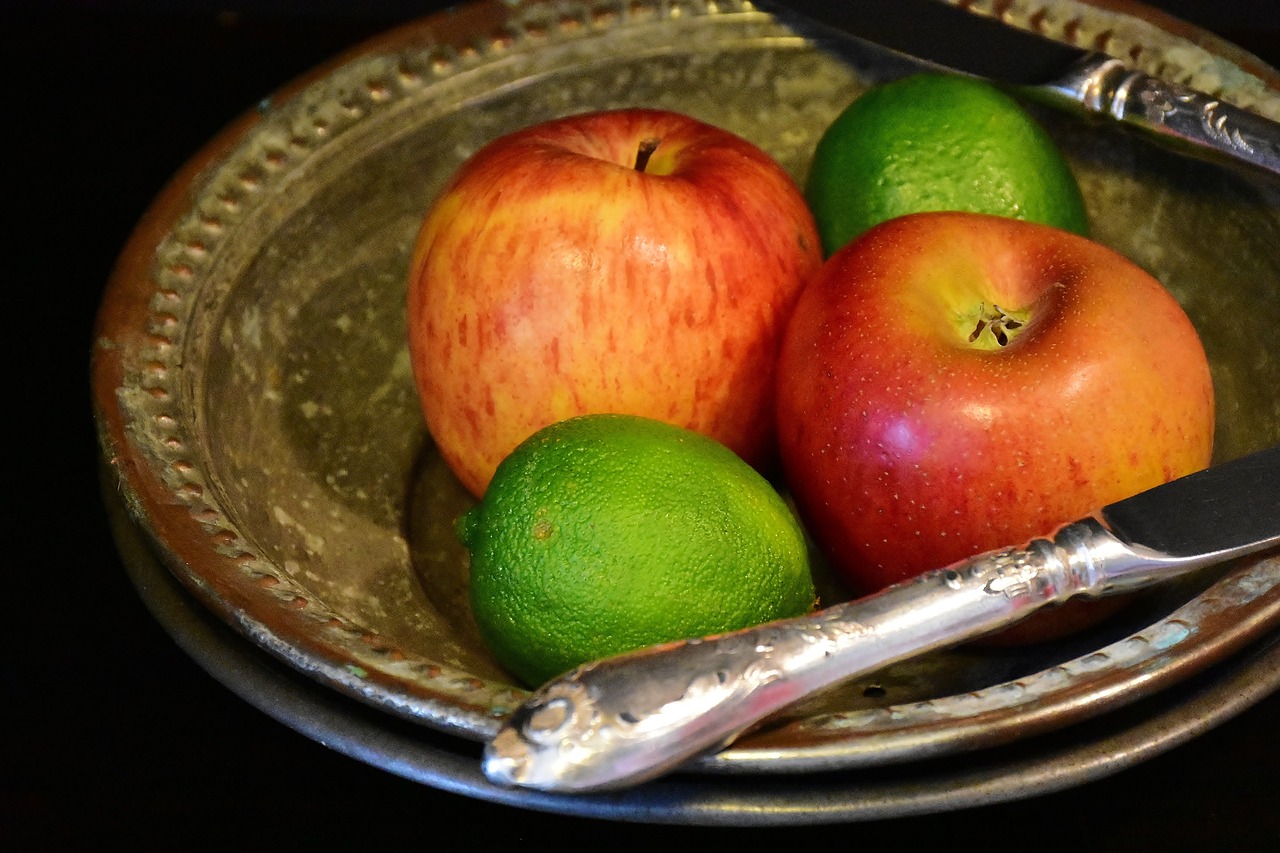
x,y
258,416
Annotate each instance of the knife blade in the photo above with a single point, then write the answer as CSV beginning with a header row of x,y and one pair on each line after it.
x,y
633,717
950,38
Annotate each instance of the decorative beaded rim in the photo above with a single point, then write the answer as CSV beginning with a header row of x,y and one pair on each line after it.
x,y
146,401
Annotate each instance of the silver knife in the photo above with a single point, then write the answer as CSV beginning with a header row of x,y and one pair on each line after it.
x,y
1058,75
630,718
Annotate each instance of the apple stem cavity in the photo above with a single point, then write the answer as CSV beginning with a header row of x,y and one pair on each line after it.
x,y
645,150
998,322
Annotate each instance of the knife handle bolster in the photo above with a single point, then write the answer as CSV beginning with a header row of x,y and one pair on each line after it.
x,y
1195,122
1096,562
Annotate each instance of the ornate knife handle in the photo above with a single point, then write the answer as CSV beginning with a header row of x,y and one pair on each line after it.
x,y
630,718
1107,86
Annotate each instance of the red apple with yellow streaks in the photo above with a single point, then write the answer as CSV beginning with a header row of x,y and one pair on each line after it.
x,y
631,261
952,383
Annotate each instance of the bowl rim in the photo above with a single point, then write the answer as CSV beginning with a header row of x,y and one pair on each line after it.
x,y
136,377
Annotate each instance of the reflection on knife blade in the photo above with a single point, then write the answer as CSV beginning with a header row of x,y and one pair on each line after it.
x,y
630,718
1058,75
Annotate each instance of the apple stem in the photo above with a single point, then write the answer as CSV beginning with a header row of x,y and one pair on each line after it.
x,y
644,151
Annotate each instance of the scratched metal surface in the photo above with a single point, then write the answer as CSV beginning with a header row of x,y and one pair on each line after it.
x,y
254,399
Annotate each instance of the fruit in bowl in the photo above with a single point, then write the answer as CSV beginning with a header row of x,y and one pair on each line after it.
x,y
631,261
955,382
604,533
938,142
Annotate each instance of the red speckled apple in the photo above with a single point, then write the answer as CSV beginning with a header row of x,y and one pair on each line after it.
x,y
955,382
632,261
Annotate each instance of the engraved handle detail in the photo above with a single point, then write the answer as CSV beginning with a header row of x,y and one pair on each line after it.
x,y
1197,121
633,717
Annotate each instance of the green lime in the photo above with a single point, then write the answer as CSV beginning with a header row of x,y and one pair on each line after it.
x,y
605,533
937,142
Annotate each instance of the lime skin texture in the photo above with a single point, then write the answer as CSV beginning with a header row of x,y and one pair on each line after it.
x,y
601,534
938,142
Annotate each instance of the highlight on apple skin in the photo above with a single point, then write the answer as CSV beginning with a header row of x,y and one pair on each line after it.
x,y
952,383
631,261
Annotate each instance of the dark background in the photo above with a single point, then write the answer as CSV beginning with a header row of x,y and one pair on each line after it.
x,y
111,734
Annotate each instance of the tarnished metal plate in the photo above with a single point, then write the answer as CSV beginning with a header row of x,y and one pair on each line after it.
x,y
254,398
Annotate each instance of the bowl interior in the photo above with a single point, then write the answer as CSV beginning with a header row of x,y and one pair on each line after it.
x,y
295,386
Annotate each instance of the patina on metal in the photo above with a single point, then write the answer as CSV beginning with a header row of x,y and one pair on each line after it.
x,y
257,415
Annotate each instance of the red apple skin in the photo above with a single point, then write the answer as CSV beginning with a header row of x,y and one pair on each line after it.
x,y
553,278
907,447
